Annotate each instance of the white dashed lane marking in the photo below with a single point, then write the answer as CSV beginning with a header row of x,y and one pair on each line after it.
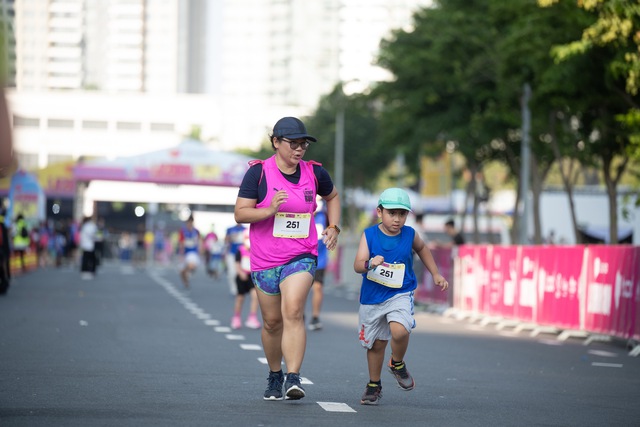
x,y
336,407
254,347
233,337
607,365
602,353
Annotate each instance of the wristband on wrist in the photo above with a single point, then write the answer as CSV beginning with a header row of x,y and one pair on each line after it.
x,y
367,265
334,227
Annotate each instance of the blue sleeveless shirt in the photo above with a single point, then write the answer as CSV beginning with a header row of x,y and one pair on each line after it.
x,y
394,249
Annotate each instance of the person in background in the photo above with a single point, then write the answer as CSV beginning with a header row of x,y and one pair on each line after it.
x,y
58,244
149,246
125,244
245,287
456,237
232,240
213,252
139,251
42,245
88,231
385,260
189,247
278,198
320,219
101,235
159,244
21,240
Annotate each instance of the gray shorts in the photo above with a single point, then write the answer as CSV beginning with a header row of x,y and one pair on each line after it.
x,y
375,318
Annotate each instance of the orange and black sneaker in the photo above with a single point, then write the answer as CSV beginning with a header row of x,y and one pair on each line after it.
x,y
372,394
401,374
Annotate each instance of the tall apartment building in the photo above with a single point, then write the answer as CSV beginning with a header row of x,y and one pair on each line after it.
x,y
150,46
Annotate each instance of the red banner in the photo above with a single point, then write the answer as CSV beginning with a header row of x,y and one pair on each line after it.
x,y
427,291
588,288
611,290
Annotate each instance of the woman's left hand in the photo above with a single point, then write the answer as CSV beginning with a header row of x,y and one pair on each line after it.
x,y
330,238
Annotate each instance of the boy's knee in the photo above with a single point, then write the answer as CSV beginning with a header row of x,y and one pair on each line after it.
x,y
398,330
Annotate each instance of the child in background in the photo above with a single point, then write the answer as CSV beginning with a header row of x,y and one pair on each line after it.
x,y
385,260
213,253
245,286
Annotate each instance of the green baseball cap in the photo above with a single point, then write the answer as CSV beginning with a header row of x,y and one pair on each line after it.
x,y
395,198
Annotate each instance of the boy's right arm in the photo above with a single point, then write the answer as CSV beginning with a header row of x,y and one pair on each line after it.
x,y
363,257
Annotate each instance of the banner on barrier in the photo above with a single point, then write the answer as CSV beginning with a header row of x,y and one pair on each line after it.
x,y
589,288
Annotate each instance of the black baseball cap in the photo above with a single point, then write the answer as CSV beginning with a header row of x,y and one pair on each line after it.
x,y
292,128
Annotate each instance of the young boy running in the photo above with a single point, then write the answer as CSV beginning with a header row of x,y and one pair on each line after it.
x,y
385,260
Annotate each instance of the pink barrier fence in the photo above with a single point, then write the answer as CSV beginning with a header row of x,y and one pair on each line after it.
x,y
427,291
587,288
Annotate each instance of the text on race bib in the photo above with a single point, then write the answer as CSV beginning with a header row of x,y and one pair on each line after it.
x,y
390,275
291,225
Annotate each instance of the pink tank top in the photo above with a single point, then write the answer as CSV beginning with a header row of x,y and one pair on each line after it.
x,y
269,251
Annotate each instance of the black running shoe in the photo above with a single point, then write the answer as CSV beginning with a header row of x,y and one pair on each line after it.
x,y
274,386
294,390
372,394
404,378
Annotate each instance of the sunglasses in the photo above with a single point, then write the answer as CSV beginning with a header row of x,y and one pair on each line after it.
x,y
297,144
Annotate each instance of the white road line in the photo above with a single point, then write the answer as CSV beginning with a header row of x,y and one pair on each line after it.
x,y
304,380
233,337
607,365
602,353
254,347
212,322
224,329
203,316
336,407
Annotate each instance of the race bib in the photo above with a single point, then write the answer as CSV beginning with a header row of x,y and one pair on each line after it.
x,y
292,225
390,275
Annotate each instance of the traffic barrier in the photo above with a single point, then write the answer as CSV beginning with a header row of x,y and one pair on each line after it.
x,y
594,289
427,292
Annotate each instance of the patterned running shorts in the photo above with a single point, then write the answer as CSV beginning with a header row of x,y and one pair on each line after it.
x,y
268,281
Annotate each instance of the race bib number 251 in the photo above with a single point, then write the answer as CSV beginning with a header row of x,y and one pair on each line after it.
x,y
291,225
390,275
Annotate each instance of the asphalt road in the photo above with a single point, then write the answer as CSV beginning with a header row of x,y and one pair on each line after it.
x,y
131,348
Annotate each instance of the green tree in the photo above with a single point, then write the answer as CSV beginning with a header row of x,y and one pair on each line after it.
x,y
459,75
364,157
444,85
608,111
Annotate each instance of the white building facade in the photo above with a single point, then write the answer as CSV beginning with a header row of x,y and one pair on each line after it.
x,y
106,78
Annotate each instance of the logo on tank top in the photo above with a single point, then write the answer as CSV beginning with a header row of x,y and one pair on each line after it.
x,y
308,196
